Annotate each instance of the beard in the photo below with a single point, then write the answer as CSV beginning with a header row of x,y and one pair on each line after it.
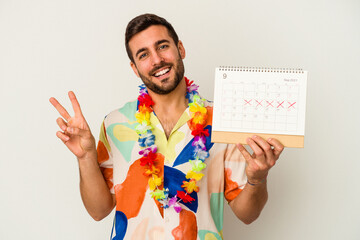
x,y
163,90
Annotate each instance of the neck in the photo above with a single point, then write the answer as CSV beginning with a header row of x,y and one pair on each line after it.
x,y
169,108
170,103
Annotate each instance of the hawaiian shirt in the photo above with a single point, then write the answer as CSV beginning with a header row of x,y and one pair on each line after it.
x,y
138,215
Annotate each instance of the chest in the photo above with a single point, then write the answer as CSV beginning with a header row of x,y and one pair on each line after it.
x,y
168,122
168,126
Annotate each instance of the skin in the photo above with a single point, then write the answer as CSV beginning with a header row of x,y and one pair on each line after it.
x,y
154,50
248,205
77,137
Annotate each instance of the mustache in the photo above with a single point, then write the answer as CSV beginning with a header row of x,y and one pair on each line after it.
x,y
161,65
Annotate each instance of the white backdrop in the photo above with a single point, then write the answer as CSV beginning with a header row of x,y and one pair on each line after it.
x,y
50,47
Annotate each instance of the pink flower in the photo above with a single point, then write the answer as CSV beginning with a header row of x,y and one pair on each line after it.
x,y
146,151
199,142
173,203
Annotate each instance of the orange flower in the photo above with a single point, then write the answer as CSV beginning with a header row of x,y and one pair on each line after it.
x,y
144,109
190,186
199,118
151,170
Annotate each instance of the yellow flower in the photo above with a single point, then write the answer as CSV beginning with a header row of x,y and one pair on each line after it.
x,y
141,117
194,175
197,108
154,182
190,186
158,194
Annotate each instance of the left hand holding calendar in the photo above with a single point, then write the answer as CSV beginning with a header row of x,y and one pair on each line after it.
x,y
264,156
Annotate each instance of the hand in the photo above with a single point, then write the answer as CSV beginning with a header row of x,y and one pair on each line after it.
x,y
264,157
75,134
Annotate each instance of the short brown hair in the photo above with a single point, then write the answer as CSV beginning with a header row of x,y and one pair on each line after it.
x,y
142,22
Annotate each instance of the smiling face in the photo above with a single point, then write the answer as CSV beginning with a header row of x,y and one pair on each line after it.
x,y
157,59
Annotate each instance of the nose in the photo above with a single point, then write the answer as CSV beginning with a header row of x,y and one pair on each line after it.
x,y
156,58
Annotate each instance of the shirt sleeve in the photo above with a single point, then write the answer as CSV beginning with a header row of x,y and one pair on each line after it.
x,y
105,159
234,175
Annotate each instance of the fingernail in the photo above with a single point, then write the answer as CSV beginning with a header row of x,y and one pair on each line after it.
x,y
254,136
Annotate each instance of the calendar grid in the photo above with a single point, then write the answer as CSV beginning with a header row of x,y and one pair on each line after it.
x,y
259,102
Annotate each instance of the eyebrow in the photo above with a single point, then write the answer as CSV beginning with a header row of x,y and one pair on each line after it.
x,y
156,44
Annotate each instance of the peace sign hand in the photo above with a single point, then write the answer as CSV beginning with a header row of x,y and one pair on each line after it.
x,y
265,155
75,134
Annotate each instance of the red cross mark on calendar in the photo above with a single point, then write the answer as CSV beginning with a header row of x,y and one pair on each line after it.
x,y
280,104
269,104
291,104
247,102
258,103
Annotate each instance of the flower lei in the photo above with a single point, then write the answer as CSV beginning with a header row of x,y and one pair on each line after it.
x,y
148,152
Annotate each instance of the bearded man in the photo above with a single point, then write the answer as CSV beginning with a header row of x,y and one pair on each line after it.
x,y
154,161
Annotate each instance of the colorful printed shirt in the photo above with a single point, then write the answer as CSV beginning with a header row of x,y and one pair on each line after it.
x,y
138,216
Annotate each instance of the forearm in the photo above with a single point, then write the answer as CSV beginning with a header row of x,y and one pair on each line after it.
x,y
248,205
95,193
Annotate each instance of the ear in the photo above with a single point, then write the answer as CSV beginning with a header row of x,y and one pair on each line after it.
x,y
181,49
133,66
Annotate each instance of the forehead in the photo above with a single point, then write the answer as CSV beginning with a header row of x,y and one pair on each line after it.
x,y
149,37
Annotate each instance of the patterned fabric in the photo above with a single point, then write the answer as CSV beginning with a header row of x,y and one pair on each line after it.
x,y
138,216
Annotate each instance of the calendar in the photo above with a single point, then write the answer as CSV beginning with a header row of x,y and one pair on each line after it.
x,y
262,101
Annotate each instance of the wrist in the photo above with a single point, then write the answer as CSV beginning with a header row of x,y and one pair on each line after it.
x,y
256,182
89,157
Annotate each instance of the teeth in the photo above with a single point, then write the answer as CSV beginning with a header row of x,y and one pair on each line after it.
x,y
162,72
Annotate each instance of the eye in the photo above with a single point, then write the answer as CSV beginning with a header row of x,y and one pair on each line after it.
x,y
163,46
142,55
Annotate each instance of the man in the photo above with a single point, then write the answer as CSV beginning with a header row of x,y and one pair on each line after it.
x,y
166,179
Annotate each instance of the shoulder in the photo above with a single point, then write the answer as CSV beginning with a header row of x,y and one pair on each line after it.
x,y
209,106
125,113
208,103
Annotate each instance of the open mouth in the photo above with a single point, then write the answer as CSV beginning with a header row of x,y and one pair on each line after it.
x,y
162,72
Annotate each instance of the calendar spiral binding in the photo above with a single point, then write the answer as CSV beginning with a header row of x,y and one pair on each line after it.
x,y
261,69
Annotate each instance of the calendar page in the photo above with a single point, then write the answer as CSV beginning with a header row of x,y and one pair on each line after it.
x,y
260,100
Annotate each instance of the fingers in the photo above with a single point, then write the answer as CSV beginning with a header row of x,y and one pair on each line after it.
x,y
70,132
265,151
78,132
60,108
75,104
244,152
62,124
278,147
255,146
262,149
63,137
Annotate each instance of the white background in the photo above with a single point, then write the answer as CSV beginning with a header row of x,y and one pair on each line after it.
x,y
50,47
